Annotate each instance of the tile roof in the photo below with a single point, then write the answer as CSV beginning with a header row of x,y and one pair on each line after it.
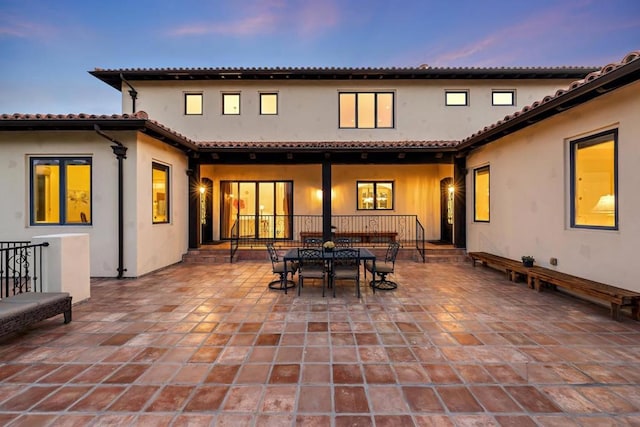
x,y
115,77
324,145
590,79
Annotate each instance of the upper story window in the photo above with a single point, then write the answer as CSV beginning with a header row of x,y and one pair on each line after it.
x,y
594,181
375,195
503,97
230,103
192,104
481,193
268,103
60,190
456,97
160,192
366,110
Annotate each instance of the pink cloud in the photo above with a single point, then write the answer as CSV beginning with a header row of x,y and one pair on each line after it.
x,y
305,17
15,27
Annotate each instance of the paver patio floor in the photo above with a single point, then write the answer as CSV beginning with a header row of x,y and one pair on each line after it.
x,y
212,345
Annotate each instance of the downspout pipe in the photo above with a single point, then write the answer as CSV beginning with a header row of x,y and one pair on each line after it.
x,y
132,93
120,152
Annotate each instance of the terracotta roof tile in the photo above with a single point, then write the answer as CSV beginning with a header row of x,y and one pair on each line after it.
x,y
19,116
630,57
323,145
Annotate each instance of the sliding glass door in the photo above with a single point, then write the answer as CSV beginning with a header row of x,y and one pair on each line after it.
x,y
262,209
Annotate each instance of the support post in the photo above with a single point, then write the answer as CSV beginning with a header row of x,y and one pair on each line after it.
x,y
195,228
326,198
460,202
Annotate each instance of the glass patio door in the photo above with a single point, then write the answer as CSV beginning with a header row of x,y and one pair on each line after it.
x,y
262,209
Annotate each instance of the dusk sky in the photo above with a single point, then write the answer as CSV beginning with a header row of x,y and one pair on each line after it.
x,y
47,47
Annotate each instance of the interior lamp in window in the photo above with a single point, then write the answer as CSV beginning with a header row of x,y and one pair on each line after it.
x,y
606,205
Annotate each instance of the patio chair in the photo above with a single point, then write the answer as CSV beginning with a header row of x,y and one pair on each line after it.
x,y
278,267
311,266
345,265
384,268
312,242
343,242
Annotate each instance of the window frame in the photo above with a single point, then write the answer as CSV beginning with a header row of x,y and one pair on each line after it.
x,y
186,103
512,92
157,166
448,92
262,113
375,109
476,171
62,191
374,206
224,98
590,141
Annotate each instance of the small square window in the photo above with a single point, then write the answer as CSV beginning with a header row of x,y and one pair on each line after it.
x,y
456,97
268,103
192,104
503,97
230,103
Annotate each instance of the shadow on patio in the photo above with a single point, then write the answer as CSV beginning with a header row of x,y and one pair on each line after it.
x,y
212,345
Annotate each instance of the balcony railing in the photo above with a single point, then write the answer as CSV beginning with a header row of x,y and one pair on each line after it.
x,y
20,267
365,230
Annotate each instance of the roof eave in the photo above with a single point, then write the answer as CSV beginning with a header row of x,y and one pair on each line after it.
x,y
590,90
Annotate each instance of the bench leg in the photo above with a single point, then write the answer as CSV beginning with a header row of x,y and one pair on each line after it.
x,y
635,311
529,282
615,311
536,284
67,316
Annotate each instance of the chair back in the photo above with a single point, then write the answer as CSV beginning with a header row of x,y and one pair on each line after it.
x,y
392,253
273,255
342,242
346,257
312,242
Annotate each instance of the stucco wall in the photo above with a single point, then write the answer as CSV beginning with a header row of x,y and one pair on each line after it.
x,y
308,111
146,247
530,193
417,188
159,245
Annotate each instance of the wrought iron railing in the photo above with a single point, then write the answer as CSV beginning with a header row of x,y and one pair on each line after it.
x,y
20,267
290,230
421,241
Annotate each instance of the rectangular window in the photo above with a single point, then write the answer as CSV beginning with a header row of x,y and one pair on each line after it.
x,y
456,97
230,103
503,97
60,191
366,110
192,104
481,193
594,181
160,193
268,103
375,195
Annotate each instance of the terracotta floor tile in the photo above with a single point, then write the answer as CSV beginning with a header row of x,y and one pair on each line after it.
x,y
315,399
126,374
531,399
244,399
134,399
313,420
62,398
205,355
458,399
279,399
98,399
350,399
494,399
193,373
393,420
316,373
253,374
411,373
442,374
347,374
353,421
206,398
169,398
285,374
422,399
387,399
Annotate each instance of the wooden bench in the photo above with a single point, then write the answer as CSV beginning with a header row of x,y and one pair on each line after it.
x,y
511,267
356,237
617,297
19,311
537,275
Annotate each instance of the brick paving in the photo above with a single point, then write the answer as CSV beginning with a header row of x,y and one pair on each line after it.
x,y
198,345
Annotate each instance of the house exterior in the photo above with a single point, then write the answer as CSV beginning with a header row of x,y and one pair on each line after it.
x,y
266,144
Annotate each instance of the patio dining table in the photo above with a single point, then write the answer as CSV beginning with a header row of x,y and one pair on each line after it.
x,y
327,256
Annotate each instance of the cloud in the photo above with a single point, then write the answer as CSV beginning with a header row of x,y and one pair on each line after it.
x,y
305,18
11,26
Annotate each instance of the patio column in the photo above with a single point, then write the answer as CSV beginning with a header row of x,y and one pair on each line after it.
x,y
194,203
460,202
326,198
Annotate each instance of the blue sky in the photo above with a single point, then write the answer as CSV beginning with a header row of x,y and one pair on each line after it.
x,y
47,47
